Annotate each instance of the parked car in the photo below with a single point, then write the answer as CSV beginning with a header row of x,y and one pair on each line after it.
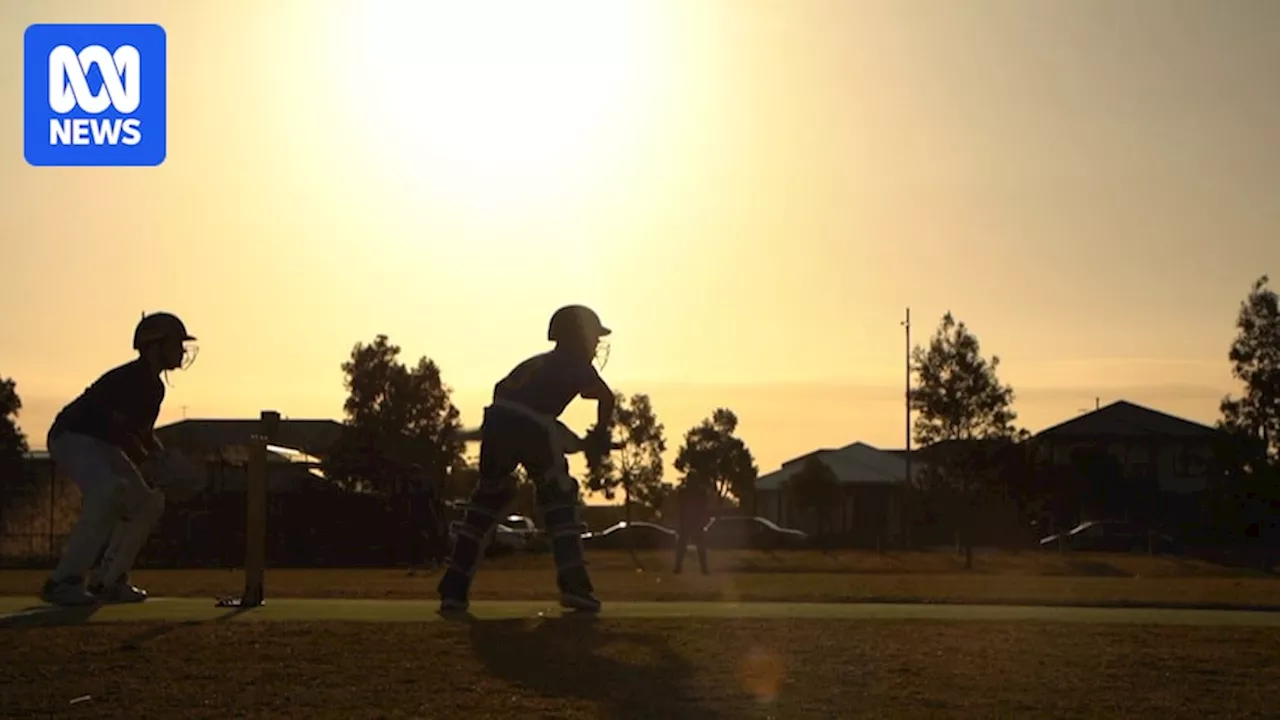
x,y
1111,536
620,536
512,533
522,531
756,533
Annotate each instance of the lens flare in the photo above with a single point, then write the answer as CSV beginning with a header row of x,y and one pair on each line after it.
x,y
762,673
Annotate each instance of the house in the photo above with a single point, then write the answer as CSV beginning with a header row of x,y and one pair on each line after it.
x,y
1172,453
313,437
293,457
871,481
1155,450
1162,465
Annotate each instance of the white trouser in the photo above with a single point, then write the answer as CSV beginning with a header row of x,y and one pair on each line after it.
x,y
119,508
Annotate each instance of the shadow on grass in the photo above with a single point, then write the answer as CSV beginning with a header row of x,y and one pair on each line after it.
x,y
38,616
1094,568
47,616
633,675
154,633
1255,559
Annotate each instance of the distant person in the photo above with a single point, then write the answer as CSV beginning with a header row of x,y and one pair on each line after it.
x,y
694,508
521,427
428,511
100,439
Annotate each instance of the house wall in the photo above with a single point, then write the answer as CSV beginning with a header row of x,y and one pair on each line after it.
x,y
282,477
1179,467
768,505
866,514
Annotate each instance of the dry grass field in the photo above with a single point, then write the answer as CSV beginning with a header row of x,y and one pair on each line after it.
x,y
574,668
997,577
688,667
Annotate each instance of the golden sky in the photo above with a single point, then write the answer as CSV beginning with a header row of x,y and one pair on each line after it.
x,y
749,191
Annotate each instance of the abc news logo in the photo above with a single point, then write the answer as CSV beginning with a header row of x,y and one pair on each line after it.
x,y
95,95
69,90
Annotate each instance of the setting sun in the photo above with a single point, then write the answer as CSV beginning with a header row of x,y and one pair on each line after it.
x,y
517,104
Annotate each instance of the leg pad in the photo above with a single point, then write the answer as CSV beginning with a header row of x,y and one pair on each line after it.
x,y
480,515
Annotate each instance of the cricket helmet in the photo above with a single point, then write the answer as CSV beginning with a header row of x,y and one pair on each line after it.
x,y
158,327
573,322
162,326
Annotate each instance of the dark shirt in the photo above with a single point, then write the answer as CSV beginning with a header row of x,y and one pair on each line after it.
x,y
694,507
547,383
120,408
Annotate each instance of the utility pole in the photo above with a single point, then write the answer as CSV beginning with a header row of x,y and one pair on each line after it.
x,y
907,455
907,324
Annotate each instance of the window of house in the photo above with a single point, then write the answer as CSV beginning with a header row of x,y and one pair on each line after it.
x,y
1189,463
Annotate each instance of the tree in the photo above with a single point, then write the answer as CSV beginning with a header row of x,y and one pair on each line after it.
x,y
396,417
13,445
714,458
961,407
816,488
1248,455
1255,361
13,442
637,467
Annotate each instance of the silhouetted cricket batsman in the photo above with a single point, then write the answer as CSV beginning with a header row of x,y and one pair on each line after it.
x,y
100,439
521,427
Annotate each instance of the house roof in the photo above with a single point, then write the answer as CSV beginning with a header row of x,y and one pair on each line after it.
x,y
1125,419
862,463
313,437
857,463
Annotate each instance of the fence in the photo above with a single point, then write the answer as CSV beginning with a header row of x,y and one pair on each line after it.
x,y
322,527
331,528
36,515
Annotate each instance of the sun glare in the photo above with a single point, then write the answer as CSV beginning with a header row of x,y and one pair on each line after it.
x,y
497,104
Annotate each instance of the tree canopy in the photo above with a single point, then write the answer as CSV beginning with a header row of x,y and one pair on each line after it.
x,y
715,458
397,417
637,468
13,442
957,394
815,487
1254,417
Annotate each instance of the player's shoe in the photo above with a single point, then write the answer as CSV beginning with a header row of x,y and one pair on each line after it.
x,y
118,592
453,592
454,605
582,601
67,593
576,590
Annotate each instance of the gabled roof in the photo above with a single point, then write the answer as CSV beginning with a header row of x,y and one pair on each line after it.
x,y
313,437
1125,419
316,438
857,463
773,480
